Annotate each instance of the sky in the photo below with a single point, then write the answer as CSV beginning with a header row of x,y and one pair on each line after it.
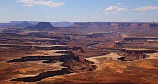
x,y
79,10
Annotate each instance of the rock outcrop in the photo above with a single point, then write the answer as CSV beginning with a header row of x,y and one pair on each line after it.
x,y
134,54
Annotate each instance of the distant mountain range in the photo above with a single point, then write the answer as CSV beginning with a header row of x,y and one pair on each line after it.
x,y
23,24
18,24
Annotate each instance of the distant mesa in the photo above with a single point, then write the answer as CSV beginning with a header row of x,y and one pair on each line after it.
x,y
15,22
19,22
24,24
62,24
42,26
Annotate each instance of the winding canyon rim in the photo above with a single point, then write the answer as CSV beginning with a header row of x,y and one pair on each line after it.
x,y
78,41
74,55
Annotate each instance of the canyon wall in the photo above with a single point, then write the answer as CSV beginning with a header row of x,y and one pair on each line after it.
x,y
115,24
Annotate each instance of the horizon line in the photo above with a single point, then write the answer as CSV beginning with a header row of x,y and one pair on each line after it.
x,y
82,21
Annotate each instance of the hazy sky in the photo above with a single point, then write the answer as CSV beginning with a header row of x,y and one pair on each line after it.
x,y
78,10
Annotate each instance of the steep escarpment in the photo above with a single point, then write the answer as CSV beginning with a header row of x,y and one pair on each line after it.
x,y
43,75
134,54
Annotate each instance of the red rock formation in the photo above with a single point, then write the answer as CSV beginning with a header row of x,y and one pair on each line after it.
x,y
135,54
